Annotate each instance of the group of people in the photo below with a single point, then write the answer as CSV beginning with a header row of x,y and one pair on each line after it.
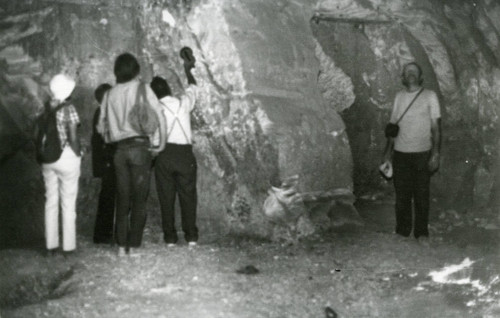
x,y
123,158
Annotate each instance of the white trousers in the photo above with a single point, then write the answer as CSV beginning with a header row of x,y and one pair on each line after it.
x,y
61,187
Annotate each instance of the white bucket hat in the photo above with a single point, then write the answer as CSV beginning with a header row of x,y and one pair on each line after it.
x,y
386,170
61,86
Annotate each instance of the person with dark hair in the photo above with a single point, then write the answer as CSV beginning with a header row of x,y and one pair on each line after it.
x,y
175,167
133,154
126,68
103,168
414,151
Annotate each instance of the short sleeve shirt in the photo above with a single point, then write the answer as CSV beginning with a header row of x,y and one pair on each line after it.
x,y
65,117
415,127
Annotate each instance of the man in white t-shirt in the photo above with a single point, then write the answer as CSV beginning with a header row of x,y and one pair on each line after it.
x,y
175,166
414,151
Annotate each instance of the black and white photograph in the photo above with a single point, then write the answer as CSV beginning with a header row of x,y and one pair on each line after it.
x,y
249,158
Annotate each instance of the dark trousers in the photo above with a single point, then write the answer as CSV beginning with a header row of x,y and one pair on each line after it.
x,y
104,221
411,182
175,170
133,171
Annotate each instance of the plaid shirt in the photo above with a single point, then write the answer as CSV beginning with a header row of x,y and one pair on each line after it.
x,y
65,116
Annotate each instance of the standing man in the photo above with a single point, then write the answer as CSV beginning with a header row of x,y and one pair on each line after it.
x,y
414,151
175,166
133,154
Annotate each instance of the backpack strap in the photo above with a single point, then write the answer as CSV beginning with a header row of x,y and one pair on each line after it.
x,y
411,103
51,112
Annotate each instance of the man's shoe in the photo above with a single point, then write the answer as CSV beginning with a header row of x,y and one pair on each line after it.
x,y
192,244
170,245
121,251
50,252
68,254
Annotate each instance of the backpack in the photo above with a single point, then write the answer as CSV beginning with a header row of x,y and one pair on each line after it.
x,y
142,116
49,148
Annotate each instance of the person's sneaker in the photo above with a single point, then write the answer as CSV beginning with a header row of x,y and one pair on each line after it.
x,y
192,244
170,245
121,251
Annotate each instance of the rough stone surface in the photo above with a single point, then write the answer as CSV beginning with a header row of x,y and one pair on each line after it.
x,y
261,117
456,43
273,84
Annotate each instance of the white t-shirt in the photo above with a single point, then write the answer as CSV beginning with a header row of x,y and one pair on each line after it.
x,y
415,127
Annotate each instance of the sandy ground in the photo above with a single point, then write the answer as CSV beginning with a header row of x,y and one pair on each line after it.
x,y
357,272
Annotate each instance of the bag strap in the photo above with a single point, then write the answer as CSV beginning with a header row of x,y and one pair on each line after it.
x,y
52,112
61,105
411,103
141,91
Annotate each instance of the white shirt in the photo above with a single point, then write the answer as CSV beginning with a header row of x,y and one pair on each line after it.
x,y
415,127
115,107
177,114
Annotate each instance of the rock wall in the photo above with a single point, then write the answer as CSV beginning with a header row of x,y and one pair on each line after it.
x,y
275,75
261,117
457,44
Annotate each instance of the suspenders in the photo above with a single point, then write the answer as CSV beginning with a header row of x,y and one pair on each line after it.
x,y
176,121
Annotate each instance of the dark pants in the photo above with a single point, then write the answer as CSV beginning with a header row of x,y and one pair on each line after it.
x,y
175,170
133,171
104,221
411,181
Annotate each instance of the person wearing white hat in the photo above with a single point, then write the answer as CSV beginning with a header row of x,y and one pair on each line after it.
x,y
61,176
414,147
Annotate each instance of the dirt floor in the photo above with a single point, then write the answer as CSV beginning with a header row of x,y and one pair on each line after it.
x,y
355,271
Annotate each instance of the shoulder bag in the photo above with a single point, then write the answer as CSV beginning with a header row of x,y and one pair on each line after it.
x,y
392,130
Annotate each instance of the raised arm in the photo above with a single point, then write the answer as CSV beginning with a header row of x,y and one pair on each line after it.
x,y
190,77
155,103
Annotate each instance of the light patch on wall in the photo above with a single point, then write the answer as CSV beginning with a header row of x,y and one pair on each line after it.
x,y
336,87
336,133
168,18
265,123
